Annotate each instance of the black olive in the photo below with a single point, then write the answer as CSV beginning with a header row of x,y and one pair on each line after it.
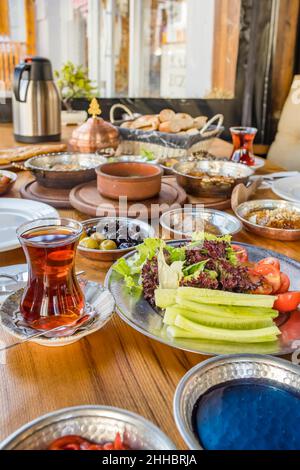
x,y
124,245
90,230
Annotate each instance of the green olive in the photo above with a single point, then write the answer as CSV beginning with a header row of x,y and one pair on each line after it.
x,y
89,243
99,237
108,245
83,236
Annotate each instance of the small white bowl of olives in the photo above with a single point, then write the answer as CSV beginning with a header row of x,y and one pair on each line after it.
x,y
109,238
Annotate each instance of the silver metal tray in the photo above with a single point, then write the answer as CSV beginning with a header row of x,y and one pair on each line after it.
x,y
216,371
96,423
137,313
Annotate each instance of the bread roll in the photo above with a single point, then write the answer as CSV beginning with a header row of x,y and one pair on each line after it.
x,y
166,115
172,127
192,131
186,120
200,121
127,124
149,120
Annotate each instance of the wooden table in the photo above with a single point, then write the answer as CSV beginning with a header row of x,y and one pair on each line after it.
x,y
116,366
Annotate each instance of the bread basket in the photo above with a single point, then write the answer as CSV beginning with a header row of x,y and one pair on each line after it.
x,y
167,145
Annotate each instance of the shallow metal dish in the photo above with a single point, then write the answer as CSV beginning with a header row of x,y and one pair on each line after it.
x,y
139,314
216,371
274,233
197,156
42,168
111,255
202,219
96,423
194,184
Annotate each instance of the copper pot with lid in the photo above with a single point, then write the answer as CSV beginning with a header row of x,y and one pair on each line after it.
x,y
95,134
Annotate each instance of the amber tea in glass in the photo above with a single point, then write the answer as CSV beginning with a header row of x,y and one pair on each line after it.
x,y
52,296
243,138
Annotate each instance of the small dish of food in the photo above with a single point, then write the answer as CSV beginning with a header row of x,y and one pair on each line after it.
x,y
7,179
211,178
278,220
109,238
167,164
137,181
145,157
239,402
64,170
90,427
182,223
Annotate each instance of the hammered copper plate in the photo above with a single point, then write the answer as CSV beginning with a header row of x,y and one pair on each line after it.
x,y
58,198
88,200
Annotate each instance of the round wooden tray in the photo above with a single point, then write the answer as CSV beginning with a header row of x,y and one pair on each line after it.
x,y
210,203
58,198
86,198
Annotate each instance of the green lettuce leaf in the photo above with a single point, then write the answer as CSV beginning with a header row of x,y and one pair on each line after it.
x,y
131,279
176,253
195,268
148,249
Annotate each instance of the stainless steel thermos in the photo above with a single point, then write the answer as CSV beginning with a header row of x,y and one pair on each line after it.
x,y
36,102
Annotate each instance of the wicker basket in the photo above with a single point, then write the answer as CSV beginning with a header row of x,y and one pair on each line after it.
x,y
165,145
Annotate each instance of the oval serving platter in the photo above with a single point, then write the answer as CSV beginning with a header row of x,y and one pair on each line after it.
x,y
138,313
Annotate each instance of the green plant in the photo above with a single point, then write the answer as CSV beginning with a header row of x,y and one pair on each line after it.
x,y
73,82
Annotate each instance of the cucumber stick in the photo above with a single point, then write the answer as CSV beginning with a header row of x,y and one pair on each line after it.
x,y
175,332
165,297
209,296
227,311
232,323
260,335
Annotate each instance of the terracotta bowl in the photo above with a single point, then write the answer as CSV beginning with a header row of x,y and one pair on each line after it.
x,y
137,181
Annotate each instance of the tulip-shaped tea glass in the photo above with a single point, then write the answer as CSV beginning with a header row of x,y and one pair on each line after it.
x,y
243,138
52,296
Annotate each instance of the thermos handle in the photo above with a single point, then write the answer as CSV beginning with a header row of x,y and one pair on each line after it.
x,y
18,77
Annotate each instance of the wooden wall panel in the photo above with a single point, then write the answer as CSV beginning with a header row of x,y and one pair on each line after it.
x,y
284,53
4,18
226,44
30,26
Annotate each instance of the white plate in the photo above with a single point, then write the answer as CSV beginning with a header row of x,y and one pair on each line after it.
x,y
288,188
13,213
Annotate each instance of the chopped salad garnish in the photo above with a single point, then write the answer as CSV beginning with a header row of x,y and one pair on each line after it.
x,y
74,442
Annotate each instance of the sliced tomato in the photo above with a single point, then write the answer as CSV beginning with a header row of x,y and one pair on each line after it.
x,y
272,261
263,289
68,443
285,283
287,302
241,253
270,274
290,330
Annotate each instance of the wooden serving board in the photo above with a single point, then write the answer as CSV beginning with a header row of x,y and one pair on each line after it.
x,y
58,198
86,198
